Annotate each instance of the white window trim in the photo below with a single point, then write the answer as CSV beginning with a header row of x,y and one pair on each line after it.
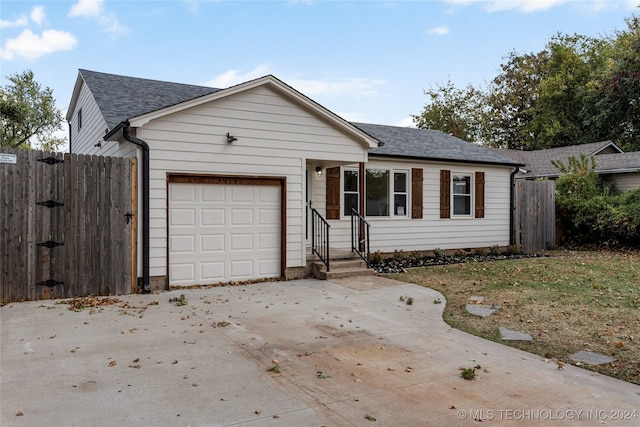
x,y
342,192
390,194
471,195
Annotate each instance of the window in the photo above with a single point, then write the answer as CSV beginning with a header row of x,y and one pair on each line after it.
x,y
461,192
351,194
400,193
377,187
79,119
387,192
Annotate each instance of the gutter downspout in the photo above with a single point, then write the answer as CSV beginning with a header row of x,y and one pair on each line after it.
x,y
70,150
145,203
512,236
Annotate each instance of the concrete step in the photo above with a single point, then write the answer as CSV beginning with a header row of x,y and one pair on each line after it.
x,y
341,269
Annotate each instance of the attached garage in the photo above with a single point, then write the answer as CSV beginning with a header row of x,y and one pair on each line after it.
x,y
225,228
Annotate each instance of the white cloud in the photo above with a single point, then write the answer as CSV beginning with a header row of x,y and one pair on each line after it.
x,y
438,31
539,5
20,22
233,77
405,123
353,86
32,46
37,14
87,8
109,22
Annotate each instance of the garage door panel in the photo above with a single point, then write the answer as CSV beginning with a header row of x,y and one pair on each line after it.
x,y
241,269
212,271
213,193
212,217
269,268
182,193
268,241
223,232
184,273
242,194
241,242
268,216
183,217
212,243
183,244
241,217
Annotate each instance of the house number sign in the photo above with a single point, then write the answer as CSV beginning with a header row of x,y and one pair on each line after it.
x,y
10,159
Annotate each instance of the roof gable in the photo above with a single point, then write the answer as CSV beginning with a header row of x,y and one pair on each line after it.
x,y
123,98
429,144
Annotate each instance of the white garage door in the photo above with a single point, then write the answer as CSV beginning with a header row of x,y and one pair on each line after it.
x,y
223,232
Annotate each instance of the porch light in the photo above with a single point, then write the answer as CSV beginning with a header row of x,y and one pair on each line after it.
x,y
231,138
319,171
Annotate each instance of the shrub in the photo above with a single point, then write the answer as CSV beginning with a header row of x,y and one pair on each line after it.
x,y
377,257
590,212
439,253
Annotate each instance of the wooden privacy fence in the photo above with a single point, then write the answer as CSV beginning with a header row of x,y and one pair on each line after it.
x,y
535,214
68,225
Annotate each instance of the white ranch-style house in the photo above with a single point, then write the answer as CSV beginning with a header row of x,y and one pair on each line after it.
x,y
230,180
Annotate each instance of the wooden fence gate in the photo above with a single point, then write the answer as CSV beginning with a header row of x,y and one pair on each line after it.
x,y
68,225
535,214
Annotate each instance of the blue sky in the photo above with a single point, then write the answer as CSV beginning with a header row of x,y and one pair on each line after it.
x,y
366,61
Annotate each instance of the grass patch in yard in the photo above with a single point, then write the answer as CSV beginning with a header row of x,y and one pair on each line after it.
x,y
568,302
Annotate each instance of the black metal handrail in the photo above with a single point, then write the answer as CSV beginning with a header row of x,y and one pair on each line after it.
x,y
320,237
360,236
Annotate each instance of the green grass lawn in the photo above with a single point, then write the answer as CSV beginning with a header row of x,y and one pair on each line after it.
x,y
568,302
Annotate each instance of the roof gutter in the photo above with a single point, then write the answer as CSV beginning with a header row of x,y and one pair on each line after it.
x,y
145,202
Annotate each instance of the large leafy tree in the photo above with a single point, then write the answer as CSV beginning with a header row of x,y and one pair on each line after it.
x,y
613,108
512,99
452,110
28,114
576,90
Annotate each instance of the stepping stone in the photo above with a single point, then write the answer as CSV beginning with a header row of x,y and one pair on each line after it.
x,y
476,299
509,335
591,358
482,310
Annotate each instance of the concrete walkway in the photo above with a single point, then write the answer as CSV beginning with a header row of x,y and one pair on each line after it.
x,y
350,353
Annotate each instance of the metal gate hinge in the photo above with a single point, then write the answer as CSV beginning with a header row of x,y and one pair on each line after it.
x,y
50,160
50,283
129,215
50,244
50,203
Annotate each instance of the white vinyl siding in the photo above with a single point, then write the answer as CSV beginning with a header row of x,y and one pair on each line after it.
x,y
275,138
430,232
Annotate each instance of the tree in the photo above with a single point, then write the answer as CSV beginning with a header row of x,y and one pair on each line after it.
x,y
614,104
511,99
576,90
453,111
28,114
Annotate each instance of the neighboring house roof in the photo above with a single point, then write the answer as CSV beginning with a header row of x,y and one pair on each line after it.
x,y
430,144
609,159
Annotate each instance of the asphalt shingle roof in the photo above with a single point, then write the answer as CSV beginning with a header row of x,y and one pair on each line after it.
x,y
121,97
537,163
429,144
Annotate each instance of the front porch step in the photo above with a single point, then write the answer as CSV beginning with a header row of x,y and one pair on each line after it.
x,y
341,269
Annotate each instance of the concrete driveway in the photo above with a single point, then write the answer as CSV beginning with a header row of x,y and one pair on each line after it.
x,y
350,353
